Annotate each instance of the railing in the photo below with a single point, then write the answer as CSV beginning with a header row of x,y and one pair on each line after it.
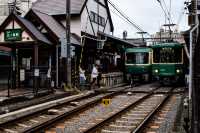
x,y
111,79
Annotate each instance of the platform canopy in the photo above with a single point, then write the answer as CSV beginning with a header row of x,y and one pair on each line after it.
x,y
16,30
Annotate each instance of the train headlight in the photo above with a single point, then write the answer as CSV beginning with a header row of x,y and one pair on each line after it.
x,y
178,70
156,71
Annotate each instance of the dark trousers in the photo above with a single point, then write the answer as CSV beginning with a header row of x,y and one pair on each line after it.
x,y
92,84
98,81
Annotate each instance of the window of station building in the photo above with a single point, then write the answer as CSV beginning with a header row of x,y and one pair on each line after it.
x,y
97,19
102,21
92,16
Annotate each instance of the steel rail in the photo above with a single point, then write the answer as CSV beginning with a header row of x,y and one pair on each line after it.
x,y
67,101
42,126
102,123
152,113
31,114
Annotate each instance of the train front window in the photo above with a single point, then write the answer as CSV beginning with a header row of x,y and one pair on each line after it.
x,y
137,58
167,55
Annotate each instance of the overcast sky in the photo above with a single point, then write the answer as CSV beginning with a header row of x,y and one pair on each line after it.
x,y
147,14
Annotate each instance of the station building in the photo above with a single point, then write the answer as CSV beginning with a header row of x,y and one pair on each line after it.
x,y
33,43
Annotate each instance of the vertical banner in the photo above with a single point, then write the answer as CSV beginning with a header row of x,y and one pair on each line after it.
x,y
63,47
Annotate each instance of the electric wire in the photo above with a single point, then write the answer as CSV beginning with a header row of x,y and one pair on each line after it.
x,y
120,16
168,10
126,17
166,14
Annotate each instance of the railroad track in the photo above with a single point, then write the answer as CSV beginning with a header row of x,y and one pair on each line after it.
x,y
32,122
132,118
155,123
83,118
79,116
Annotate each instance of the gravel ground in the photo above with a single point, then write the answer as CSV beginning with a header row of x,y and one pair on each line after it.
x,y
180,122
145,87
96,113
172,120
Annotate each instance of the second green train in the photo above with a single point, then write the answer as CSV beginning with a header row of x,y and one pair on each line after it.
x,y
162,61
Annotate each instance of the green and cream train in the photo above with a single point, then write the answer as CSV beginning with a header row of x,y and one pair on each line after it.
x,y
162,61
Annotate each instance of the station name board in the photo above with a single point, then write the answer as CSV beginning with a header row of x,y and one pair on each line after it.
x,y
13,35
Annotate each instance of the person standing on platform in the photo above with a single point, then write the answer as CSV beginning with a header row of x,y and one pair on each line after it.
x,y
82,78
94,76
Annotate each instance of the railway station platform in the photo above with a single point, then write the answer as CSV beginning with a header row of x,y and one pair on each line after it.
x,y
21,98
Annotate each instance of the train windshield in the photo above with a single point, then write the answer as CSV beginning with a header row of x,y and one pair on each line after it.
x,y
137,58
167,55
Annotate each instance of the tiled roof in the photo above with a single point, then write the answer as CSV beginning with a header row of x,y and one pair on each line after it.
x,y
54,26
57,7
51,23
36,33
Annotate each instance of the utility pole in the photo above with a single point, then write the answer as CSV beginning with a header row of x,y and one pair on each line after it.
x,y
170,30
68,34
142,33
194,62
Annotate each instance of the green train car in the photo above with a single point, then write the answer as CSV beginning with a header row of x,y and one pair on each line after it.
x,y
138,64
168,63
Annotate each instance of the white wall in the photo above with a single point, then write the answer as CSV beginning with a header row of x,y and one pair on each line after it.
x,y
75,25
85,23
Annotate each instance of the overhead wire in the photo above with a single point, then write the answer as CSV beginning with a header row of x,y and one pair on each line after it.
x,y
166,14
126,17
122,13
168,10
120,16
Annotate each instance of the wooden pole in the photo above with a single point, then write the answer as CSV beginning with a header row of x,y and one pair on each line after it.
x,y
68,34
35,69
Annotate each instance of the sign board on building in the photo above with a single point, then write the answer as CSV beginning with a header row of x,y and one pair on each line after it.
x,y
37,73
72,51
63,47
22,74
13,35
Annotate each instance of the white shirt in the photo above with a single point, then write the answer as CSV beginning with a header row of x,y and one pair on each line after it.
x,y
94,72
82,73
